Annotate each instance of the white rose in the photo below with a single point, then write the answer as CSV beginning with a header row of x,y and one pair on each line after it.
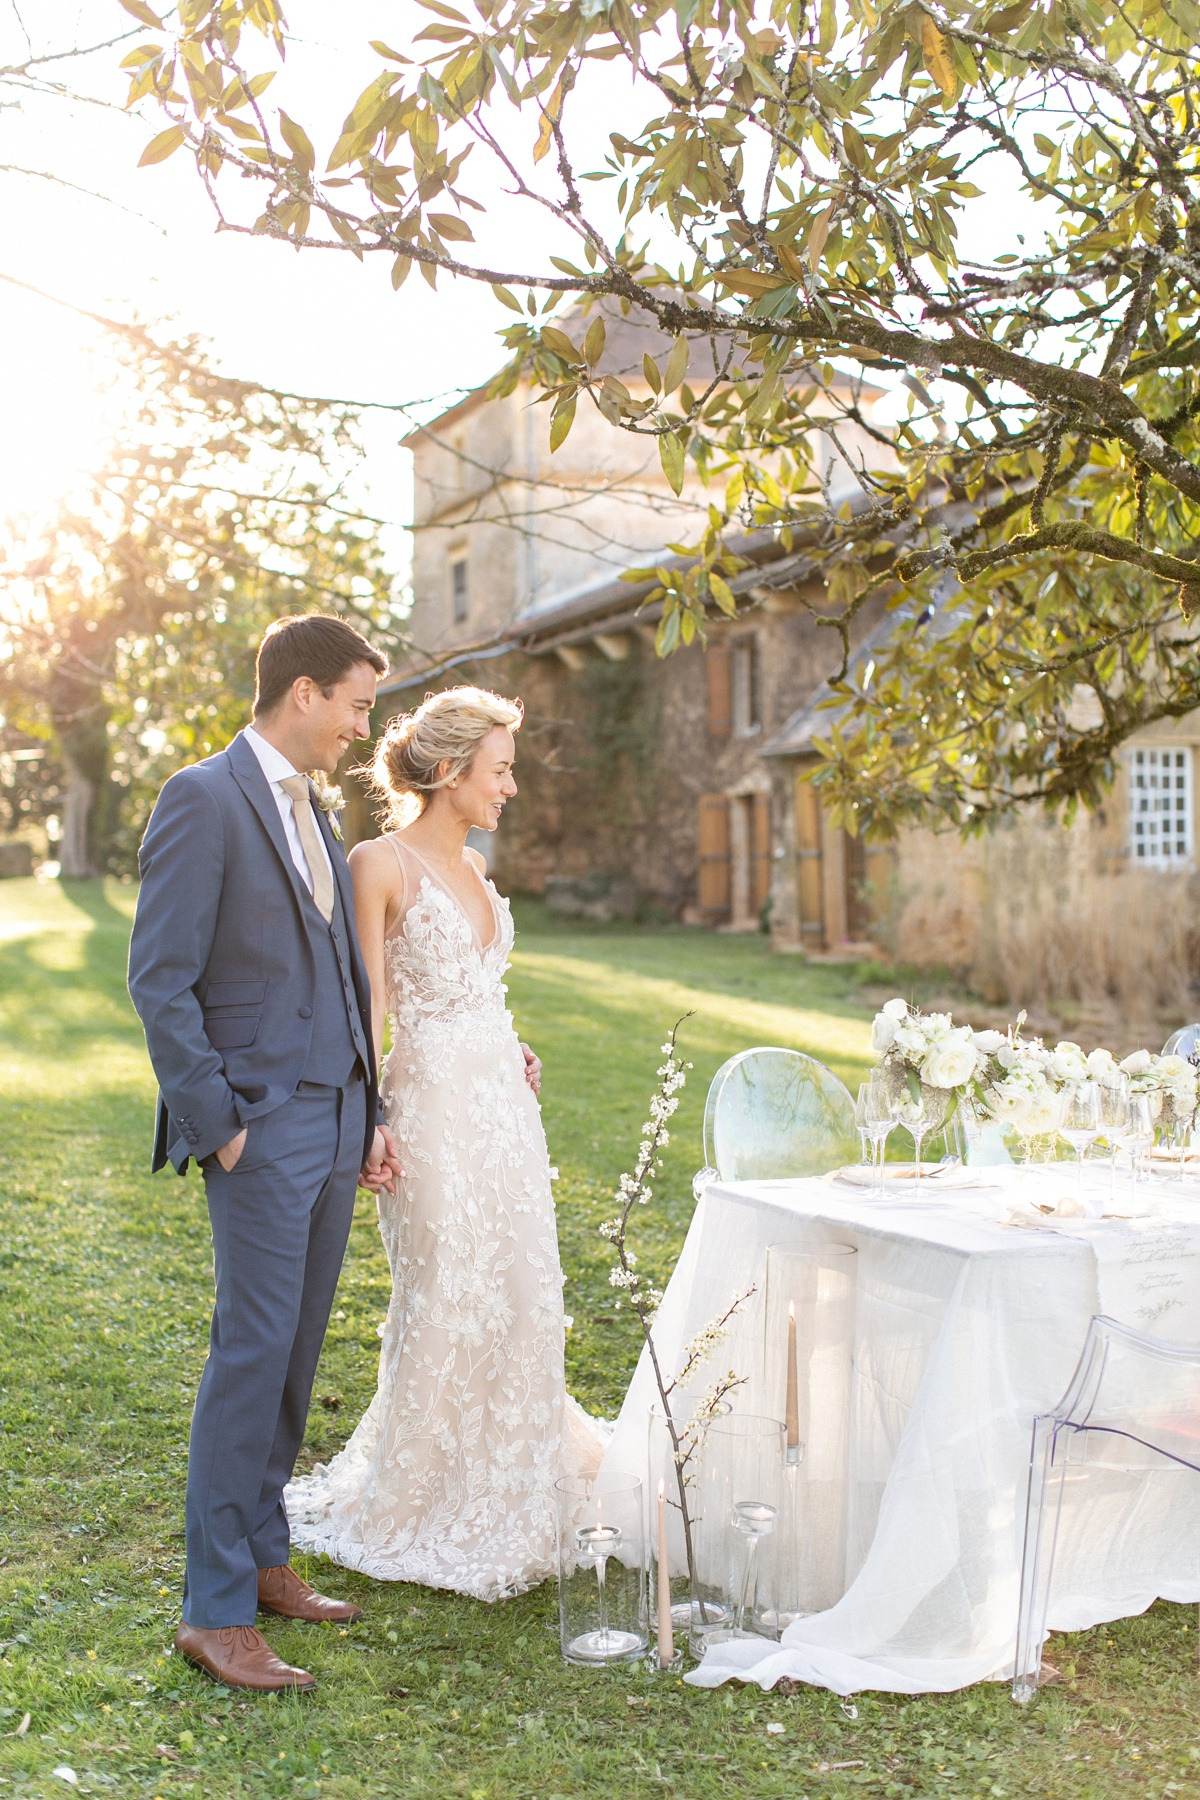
x,y
1138,1064
896,1009
950,1063
1044,1114
988,1042
883,1034
1101,1064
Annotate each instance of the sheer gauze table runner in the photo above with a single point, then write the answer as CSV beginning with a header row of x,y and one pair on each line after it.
x,y
965,1328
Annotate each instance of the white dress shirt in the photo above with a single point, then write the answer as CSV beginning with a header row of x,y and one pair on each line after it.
x,y
276,767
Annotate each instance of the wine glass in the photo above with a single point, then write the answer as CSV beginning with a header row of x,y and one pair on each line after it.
x,y
875,1116
1143,1116
1080,1125
860,1122
926,1113
1115,1123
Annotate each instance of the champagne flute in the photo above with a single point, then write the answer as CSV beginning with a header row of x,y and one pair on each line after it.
x,y
1080,1125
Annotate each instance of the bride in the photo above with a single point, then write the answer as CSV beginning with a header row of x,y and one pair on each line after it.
x,y
448,1479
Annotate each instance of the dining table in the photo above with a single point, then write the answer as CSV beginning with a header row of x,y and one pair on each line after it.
x,y
972,1296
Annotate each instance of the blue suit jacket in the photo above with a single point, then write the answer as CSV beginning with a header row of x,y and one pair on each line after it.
x,y
220,962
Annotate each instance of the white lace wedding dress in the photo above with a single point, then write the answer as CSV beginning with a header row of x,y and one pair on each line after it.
x,y
448,1479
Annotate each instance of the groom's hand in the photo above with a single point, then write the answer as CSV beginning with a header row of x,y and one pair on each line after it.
x,y
382,1168
229,1154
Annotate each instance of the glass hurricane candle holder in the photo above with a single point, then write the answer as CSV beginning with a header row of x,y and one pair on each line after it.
x,y
809,1315
742,1494
601,1568
677,1461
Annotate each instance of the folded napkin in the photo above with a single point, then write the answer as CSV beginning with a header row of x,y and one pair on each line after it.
x,y
950,1174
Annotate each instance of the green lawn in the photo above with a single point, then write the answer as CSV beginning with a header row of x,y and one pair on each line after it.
x,y
104,1278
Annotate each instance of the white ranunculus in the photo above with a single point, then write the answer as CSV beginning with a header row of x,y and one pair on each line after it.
x,y
1101,1064
1067,1063
896,1009
950,1063
1139,1063
988,1042
1006,1056
1044,1114
883,1034
1009,1101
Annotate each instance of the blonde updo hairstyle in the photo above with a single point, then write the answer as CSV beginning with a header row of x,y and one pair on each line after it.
x,y
446,728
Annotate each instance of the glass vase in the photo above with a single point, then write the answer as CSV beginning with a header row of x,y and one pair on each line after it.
x,y
675,1458
601,1568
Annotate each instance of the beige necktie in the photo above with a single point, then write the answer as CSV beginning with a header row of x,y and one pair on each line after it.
x,y
297,789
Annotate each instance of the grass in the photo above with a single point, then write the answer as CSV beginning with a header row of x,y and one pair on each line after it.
x,y
104,1282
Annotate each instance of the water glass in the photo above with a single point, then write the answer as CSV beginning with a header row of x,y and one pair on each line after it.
x,y
875,1117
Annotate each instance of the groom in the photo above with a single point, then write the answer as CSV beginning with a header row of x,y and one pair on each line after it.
x,y
246,972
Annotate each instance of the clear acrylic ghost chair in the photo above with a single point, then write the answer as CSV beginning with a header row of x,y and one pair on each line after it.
x,y
775,1112
1127,1386
1183,1042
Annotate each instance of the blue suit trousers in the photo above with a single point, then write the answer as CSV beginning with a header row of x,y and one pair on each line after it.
x,y
280,1221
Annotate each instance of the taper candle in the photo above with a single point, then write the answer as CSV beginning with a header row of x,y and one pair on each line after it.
x,y
666,1630
792,1415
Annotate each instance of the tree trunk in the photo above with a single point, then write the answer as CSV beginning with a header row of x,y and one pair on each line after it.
x,y
74,857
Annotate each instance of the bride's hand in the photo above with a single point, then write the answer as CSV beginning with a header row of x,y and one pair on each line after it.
x,y
533,1068
382,1168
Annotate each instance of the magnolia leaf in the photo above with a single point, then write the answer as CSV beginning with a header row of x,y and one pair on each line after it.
x,y
791,262
938,60
593,343
561,421
855,149
448,226
677,364
137,9
549,118
297,141
650,371
667,635
670,452
506,299
382,49
400,270
818,237
346,232
560,343
723,594
162,146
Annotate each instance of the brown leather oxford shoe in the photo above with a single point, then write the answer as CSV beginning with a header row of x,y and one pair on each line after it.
x,y
281,1591
241,1657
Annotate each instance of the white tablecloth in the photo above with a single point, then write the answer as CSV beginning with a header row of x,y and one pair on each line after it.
x,y
965,1329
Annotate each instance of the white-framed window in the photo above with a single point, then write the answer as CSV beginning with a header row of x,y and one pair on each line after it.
x,y
1160,808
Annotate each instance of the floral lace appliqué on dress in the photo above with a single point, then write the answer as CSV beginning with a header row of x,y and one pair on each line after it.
x,y
448,1479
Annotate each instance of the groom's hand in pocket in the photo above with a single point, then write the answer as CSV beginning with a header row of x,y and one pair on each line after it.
x,y
229,1154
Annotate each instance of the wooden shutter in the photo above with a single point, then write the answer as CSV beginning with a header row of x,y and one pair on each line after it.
x,y
719,676
760,853
714,856
809,894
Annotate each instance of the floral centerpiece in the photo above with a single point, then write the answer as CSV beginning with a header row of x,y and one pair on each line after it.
x,y
919,1052
1170,1079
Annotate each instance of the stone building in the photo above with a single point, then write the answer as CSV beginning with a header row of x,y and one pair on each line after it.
x,y
683,780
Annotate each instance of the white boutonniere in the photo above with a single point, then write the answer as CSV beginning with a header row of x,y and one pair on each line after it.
x,y
330,801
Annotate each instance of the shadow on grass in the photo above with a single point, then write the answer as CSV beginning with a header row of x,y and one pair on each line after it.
x,y
63,991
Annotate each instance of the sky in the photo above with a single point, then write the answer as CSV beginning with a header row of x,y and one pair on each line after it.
x,y
310,321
